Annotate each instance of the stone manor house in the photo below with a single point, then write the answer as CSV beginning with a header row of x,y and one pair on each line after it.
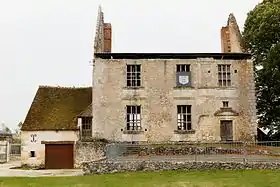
x,y
152,97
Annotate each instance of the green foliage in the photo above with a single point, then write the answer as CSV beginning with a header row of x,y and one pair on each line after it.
x,y
262,39
262,29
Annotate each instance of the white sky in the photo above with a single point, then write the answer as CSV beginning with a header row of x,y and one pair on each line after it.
x,y
49,42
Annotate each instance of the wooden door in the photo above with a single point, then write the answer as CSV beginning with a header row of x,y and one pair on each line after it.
x,y
226,130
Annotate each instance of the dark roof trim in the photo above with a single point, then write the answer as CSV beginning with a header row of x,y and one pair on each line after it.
x,y
57,142
229,56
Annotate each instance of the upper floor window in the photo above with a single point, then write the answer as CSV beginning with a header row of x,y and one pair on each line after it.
x,y
183,75
183,68
224,75
184,119
133,75
133,118
86,126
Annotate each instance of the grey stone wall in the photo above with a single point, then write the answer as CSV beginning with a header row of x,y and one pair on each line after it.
x,y
88,151
114,166
159,97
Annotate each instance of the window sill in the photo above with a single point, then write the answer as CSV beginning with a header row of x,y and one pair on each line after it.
x,y
133,88
184,131
133,132
183,87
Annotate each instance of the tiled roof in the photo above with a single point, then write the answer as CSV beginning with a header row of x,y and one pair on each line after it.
x,y
56,108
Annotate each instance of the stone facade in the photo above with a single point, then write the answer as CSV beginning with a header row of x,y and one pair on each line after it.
x,y
159,96
115,166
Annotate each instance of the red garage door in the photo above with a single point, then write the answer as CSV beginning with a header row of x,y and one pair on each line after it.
x,y
59,156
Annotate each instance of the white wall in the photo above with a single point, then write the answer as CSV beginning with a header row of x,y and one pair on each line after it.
x,y
28,144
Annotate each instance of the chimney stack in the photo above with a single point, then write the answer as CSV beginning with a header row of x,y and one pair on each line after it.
x,y
103,35
231,38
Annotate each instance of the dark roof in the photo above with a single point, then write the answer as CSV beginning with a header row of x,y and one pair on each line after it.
x,y
230,56
56,108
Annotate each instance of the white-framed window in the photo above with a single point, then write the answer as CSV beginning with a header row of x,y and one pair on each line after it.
x,y
224,75
184,117
133,118
133,75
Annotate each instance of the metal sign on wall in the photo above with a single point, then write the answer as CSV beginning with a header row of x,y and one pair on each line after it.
x,y
183,78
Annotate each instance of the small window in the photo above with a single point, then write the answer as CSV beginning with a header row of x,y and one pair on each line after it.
x,y
32,153
133,118
133,75
225,104
86,127
183,68
184,117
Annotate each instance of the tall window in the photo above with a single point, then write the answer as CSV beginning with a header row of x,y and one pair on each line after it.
x,y
133,118
86,127
224,77
183,68
133,75
184,121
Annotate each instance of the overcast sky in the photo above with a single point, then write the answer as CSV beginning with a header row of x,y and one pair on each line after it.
x,y
49,42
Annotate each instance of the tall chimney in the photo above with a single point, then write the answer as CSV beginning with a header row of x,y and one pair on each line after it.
x,y
103,35
231,38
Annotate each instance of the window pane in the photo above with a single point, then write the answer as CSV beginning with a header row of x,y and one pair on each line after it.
x,y
228,76
128,109
189,126
189,118
189,109
228,67
138,75
139,109
128,68
184,109
138,68
224,82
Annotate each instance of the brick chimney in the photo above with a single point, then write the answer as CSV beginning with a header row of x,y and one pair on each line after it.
x,y
231,38
103,35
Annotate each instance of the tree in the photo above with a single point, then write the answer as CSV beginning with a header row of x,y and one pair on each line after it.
x,y
262,39
17,130
262,29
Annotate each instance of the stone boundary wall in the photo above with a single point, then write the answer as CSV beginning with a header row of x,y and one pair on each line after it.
x,y
132,166
88,152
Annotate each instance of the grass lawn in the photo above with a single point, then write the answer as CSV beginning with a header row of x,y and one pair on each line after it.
x,y
250,178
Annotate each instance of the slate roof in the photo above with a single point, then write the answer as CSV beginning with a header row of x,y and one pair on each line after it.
x,y
56,108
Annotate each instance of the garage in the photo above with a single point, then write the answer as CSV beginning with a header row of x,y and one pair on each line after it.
x,y
59,156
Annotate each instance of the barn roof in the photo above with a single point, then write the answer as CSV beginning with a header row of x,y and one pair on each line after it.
x,y
56,108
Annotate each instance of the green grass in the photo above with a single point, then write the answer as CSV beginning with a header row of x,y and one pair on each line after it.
x,y
249,178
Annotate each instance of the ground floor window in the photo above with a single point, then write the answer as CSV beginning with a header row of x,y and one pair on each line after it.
x,y
133,118
184,121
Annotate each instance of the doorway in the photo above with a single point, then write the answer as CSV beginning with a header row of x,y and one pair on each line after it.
x,y
226,130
